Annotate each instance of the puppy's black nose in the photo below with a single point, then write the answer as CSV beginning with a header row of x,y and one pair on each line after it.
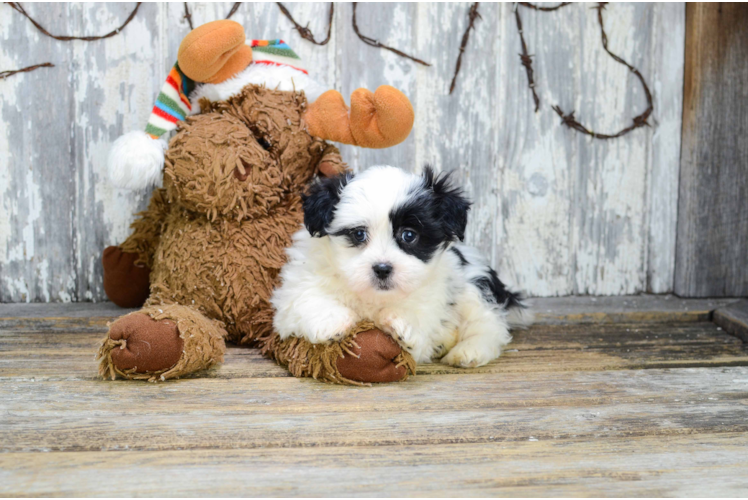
x,y
382,270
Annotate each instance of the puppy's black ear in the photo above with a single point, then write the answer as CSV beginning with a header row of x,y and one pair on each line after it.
x,y
452,205
319,204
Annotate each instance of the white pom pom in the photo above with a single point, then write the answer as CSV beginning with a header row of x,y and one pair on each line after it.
x,y
136,161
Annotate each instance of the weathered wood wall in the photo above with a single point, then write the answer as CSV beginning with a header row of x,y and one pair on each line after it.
x,y
559,213
712,252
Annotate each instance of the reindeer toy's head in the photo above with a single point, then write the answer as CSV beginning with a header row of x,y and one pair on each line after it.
x,y
252,125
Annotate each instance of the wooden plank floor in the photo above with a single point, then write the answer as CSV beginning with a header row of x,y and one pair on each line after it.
x,y
634,396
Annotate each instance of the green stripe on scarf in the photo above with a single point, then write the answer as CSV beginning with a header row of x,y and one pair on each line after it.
x,y
278,52
158,132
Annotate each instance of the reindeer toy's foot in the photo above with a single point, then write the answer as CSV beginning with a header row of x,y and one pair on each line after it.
x,y
365,355
161,342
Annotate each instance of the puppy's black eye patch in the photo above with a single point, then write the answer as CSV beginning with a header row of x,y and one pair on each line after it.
x,y
356,236
416,227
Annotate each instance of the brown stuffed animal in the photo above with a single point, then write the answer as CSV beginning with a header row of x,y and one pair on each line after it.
x,y
206,254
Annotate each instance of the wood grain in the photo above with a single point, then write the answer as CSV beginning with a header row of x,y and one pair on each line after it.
x,y
628,309
558,213
37,183
700,465
713,215
432,409
734,319
590,409
58,353
555,310
666,70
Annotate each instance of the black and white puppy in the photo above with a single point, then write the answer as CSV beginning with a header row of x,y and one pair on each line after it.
x,y
382,246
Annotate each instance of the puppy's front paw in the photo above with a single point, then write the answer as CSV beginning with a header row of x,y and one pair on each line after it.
x,y
397,328
332,324
467,354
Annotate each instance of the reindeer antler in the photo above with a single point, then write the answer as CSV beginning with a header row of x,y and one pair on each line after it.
x,y
376,120
214,52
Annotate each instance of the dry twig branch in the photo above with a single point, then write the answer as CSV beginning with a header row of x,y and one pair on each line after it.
x,y
638,121
188,16
6,74
526,59
304,31
65,38
569,119
544,9
233,10
375,43
472,16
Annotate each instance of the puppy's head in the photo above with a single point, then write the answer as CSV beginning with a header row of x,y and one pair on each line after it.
x,y
387,228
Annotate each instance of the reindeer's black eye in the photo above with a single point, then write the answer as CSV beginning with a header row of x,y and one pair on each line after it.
x,y
264,143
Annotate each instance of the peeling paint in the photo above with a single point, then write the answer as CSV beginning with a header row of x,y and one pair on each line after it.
x,y
556,212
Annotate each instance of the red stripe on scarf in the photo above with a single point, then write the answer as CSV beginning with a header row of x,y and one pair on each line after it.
x,y
273,63
164,115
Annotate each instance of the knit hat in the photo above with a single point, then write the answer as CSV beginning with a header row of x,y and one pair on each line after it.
x,y
173,102
275,53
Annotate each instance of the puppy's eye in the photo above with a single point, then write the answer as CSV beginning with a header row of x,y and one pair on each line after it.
x,y
408,236
264,143
359,235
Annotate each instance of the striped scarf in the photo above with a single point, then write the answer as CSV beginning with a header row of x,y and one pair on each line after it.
x,y
173,102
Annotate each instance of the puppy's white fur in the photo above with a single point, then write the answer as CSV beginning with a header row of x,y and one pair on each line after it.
x,y
435,307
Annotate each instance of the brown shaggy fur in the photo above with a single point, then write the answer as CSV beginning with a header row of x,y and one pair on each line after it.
x,y
214,241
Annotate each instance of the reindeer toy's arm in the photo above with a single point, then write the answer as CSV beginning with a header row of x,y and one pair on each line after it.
x,y
127,267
